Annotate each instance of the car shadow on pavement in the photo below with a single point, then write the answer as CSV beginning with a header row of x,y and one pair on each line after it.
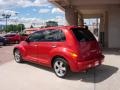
x,y
94,75
39,66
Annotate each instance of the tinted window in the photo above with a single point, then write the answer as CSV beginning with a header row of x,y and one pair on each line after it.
x,y
47,35
54,35
35,37
83,34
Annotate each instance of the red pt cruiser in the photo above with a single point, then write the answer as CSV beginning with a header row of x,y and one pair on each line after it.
x,y
66,48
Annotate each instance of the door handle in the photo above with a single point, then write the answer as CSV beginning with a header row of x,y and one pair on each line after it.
x,y
35,45
54,46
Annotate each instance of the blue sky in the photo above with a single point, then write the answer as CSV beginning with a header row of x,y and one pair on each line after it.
x,y
31,11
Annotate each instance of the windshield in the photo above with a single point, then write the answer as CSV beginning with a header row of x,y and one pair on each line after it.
x,y
83,34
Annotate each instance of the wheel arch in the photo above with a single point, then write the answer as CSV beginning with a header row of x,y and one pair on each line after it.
x,y
21,49
58,56
15,49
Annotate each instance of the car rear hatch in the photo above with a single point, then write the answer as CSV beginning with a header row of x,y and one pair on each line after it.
x,y
89,48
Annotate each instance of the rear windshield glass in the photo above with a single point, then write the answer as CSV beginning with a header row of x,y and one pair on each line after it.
x,y
83,34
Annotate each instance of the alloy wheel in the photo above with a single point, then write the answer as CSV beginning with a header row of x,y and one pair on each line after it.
x,y
60,68
17,56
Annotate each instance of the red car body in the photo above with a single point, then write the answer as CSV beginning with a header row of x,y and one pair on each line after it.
x,y
80,55
23,37
13,38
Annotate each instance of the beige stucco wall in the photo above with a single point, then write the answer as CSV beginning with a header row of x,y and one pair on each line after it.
x,y
71,16
114,28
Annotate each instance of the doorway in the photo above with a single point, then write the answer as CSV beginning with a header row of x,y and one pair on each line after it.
x,y
94,26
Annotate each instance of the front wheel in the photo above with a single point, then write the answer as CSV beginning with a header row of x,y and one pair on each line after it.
x,y
61,67
17,56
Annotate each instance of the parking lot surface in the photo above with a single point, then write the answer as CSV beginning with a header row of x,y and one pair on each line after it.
x,y
28,76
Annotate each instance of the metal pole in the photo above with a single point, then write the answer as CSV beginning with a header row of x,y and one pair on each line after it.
x,y
6,24
6,16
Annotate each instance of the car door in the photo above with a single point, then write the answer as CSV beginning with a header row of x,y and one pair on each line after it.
x,y
32,46
51,40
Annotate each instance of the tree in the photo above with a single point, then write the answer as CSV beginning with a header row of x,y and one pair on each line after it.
x,y
10,28
20,27
15,28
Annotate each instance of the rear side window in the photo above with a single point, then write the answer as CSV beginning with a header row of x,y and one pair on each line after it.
x,y
54,35
83,34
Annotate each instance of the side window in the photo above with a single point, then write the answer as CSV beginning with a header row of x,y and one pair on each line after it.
x,y
37,36
62,35
47,35
54,35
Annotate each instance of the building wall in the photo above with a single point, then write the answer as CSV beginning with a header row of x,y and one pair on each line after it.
x,y
71,16
114,27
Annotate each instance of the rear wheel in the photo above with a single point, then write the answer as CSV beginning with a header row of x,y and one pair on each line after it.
x,y
17,56
61,67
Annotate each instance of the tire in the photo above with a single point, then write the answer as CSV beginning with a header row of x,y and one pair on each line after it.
x,y
61,67
17,56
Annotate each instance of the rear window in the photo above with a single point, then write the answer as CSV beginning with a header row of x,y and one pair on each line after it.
x,y
83,34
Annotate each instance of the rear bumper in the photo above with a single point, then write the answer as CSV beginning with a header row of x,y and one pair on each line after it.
x,y
85,65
